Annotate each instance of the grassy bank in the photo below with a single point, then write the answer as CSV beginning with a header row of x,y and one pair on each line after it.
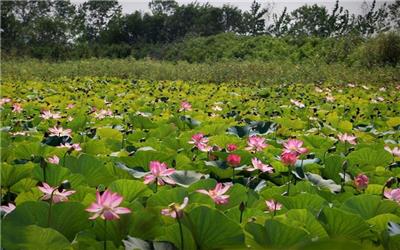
x,y
232,71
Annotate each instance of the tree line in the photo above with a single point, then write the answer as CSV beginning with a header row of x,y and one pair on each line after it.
x,y
52,27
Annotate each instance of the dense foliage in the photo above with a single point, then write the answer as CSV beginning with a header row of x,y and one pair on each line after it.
x,y
248,72
199,166
61,29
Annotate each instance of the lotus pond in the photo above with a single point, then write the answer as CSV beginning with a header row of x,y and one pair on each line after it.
x,y
96,163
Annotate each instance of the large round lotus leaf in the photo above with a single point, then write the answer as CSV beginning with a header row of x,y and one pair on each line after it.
x,y
275,234
344,224
130,189
68,218
33,237
211,229
368,206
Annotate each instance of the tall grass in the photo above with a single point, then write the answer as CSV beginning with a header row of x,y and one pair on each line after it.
x,y
225,71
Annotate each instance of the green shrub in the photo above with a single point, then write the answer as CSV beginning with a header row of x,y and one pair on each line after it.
x,y
381,50
250,72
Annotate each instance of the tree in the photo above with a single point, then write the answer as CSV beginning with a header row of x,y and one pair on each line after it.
x,y
310,21
394,14
254,20
374,20
163,7
10,26
339,22
96,16
280,24
232,19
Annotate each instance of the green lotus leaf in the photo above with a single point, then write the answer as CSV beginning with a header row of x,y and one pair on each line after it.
x,y
302,218
165,197
143,158
11,174
344,224
33,237
142,122
368,206
96,147
145,223
312,202
68,218
332,168
370,157
380,222
211,229
93,169
130,189
275,234
54,174
23,185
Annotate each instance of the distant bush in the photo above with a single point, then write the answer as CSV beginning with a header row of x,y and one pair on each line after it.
x,y
381,50
224,71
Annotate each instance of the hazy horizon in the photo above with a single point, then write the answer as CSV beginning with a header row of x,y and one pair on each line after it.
x,y
354,6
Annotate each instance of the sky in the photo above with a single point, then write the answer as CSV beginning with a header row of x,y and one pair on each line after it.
x,y
354,6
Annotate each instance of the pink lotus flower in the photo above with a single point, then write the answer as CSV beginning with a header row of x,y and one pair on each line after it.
x,y
200,141
361,181
294,146
318,90
393,194
256,143
198,138
233,160
74,146
218,193
289,158
395,151
258,165
17,108
55,131
204,147
57,195
54,159
101,114
297,103
48,115
70,106
56,115
6,209
175,210
4,101
330,98
347,138
231,147
160,173
106,206
273,205
185,106
216,108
